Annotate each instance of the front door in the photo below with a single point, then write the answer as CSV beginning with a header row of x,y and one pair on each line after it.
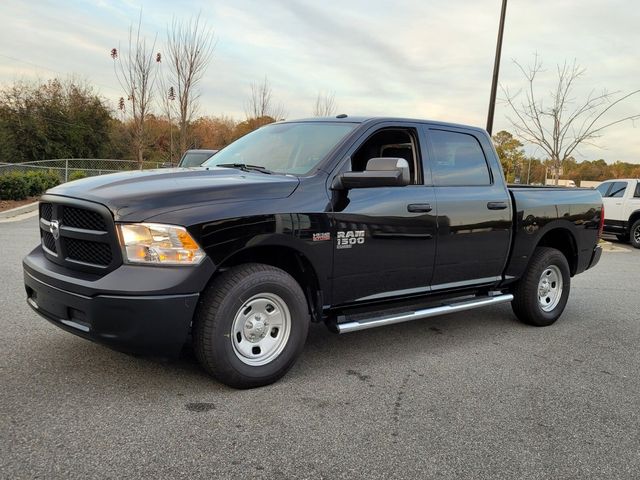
x,y
613,199
384,237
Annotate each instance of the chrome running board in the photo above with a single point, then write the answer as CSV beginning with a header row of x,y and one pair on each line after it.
x,y
366,323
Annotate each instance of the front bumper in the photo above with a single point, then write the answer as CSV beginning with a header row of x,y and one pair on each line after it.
x,y
119,309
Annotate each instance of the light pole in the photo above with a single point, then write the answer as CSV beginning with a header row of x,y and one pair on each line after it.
x,y
496,68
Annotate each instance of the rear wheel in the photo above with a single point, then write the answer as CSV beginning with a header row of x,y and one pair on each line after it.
x,y
250,325
635,234
541,294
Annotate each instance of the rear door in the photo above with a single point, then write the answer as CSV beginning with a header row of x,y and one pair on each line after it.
x,y
474,208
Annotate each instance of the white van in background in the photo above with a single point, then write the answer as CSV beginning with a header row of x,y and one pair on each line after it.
x,y
561,183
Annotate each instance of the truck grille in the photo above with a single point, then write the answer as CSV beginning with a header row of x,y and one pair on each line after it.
x,y
46,210
49,242
88,252
79,235
79,218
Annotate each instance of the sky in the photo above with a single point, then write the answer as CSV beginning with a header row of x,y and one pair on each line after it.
x,y
429,59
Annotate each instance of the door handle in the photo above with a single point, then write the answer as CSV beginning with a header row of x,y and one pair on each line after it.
x,y
497,205
419,207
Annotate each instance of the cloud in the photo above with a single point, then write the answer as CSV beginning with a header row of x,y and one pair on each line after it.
x,y
411,58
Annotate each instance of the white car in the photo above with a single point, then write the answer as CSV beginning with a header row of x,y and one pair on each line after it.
x,y
621,198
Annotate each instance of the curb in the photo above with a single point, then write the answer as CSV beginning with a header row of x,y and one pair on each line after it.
x,y
14,212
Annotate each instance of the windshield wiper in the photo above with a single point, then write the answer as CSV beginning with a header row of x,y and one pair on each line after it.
x,y
245,167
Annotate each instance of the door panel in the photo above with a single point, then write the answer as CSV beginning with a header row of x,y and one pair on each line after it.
x,y
382,249
613,201
474,209
473,240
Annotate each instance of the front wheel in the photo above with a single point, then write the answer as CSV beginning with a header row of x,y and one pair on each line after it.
x,y
541,294
635,234
250,325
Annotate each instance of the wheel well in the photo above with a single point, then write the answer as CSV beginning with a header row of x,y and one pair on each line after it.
x,y
563,240
632,219
291,261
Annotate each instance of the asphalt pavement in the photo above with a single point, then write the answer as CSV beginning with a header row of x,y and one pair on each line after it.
x,y
469,395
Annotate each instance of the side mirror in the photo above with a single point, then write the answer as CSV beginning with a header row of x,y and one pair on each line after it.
x,y
380,172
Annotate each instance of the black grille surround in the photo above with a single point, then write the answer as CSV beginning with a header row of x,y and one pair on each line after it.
x,y
78,234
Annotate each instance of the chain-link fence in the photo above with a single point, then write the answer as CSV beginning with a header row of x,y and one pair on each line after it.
x,y
74,168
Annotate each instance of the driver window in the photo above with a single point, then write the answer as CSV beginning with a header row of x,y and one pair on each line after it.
x,y
393,142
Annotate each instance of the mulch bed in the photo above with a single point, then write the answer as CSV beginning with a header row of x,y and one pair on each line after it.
x,y
9,204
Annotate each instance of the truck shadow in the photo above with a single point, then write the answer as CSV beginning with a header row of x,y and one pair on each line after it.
x,y
325,353
391,343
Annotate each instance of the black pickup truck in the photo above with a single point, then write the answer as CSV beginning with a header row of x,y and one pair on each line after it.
x,y
355,222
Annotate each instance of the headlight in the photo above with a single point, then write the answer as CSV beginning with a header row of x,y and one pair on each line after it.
x,y
152,243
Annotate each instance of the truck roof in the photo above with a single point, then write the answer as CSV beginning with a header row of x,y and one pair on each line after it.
x,y
621,180
374,120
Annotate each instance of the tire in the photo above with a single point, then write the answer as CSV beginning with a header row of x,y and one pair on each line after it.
x,y
624,238
250,325
541,294
635,234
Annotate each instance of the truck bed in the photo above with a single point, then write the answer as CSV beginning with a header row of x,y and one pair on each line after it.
x,y
538,209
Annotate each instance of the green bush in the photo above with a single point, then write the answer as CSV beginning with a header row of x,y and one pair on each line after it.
x,y
40,181
50,180
13,186
77,175
35,183
20,185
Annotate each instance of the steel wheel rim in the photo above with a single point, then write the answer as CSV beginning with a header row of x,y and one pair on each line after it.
x,y
550,288
636,234
261,329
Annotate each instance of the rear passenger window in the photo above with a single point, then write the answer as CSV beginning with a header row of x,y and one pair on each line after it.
x,y
637,192
458,160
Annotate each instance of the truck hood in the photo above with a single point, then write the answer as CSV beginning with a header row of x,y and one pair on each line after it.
x,y
136,196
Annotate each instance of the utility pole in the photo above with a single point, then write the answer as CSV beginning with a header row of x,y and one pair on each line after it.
x,y
496,68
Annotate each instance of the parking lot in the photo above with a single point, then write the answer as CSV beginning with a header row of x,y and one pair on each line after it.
x,y
470,395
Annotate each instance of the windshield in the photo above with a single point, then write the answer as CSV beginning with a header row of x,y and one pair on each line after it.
x,y
194,159
285,148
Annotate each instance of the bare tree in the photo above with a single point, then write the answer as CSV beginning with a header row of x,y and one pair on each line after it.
x,y
136,73
560,125
325,105
190,46
260,104
166,99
